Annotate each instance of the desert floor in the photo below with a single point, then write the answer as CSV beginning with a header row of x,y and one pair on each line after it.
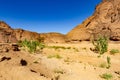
x,y
72,61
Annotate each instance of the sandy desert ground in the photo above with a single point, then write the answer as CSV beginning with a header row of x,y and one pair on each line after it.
x,y
74,61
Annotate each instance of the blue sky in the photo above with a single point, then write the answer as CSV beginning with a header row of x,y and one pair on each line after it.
x,y
46,15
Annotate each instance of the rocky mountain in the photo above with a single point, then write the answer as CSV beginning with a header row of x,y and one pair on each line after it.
x,y
105,21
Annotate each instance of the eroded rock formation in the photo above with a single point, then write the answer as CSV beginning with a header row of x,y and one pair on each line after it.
x,y
105,21
7,34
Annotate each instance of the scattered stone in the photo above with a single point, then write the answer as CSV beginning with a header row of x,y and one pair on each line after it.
x,y
117,72
6,47
33,71
42,75
5,58
15,47
23,62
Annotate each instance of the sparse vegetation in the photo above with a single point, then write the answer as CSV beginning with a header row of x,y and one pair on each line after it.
x,y
58,71
36,62
59,47
68,60
55,56
101,45
106,65
114,51
84,48
31,46
108,62
76,50
106,76
103,65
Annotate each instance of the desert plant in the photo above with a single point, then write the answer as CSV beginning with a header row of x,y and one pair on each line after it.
x,y
103,65
101,45
59,47
31,46
108,62
106,65
106,76
114,51
59,71
55,56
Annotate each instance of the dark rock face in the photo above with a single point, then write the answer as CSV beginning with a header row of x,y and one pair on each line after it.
x,y
105,21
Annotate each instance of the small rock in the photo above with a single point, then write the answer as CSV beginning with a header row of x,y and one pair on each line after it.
x,y
23,62
5,58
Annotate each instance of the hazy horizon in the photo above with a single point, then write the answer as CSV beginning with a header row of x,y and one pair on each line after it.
x,y
46,15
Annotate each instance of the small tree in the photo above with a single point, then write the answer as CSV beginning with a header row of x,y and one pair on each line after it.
x,y
101,45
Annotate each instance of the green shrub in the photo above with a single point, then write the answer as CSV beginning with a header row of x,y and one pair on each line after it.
x,y
101,45
106,65
31,46
114,51
108,62
106,76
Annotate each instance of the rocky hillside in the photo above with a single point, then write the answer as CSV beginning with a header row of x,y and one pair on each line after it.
x,y
53,37
9,35
105,21
45,37
24,34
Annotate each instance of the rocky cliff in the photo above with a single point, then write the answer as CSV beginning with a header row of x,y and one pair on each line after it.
x,y
105,21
